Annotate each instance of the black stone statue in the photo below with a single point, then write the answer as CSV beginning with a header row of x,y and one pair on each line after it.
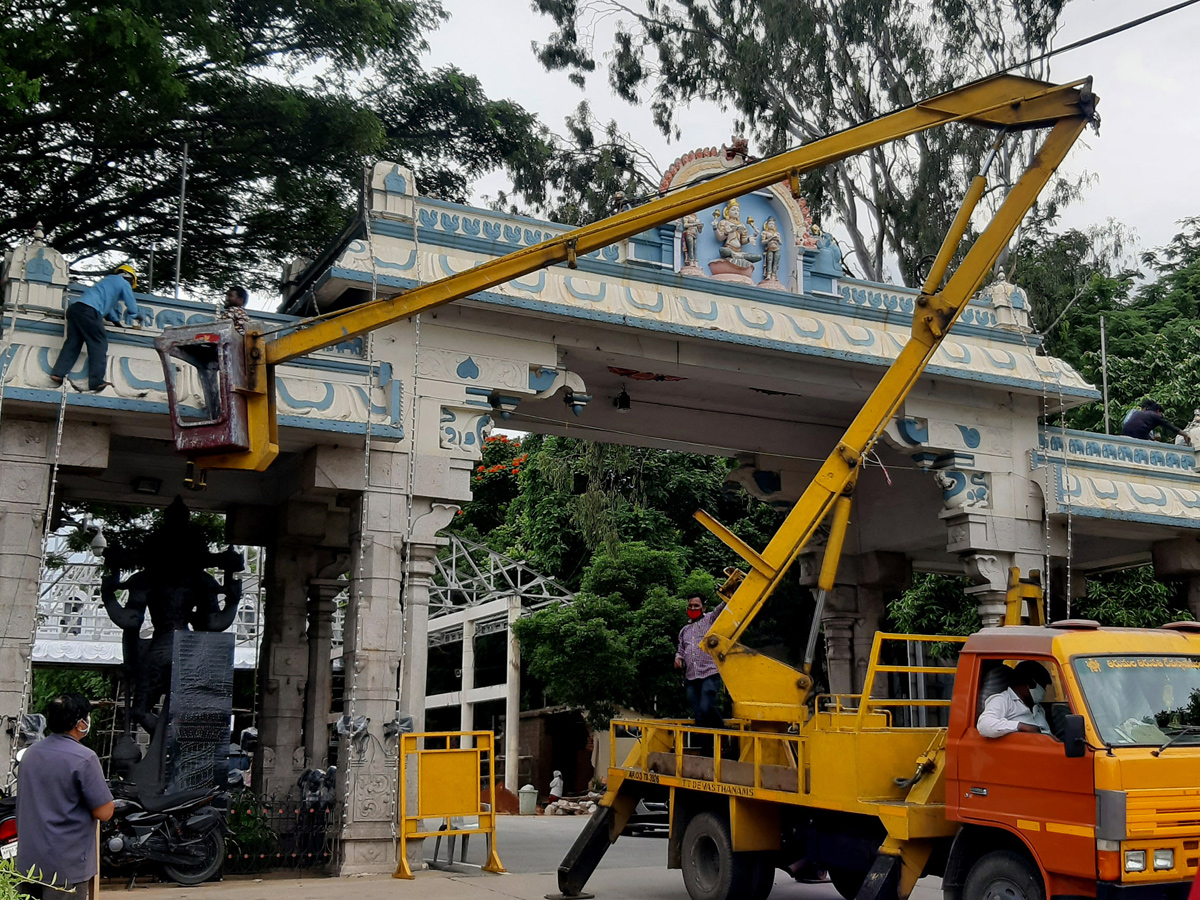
x,y
179,595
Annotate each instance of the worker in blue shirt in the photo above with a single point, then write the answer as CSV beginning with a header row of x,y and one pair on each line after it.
x,y
85,325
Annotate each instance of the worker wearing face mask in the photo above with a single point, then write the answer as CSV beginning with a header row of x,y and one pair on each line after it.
x,y
1019,707
61,794
699,670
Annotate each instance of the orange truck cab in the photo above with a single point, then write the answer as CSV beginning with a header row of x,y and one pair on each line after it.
x,y
1106,806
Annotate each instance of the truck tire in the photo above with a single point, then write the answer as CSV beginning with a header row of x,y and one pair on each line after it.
x,y
1003,875
762,877
712,871
847,882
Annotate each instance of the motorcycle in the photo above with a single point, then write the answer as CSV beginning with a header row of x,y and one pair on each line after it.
x,y
182,832
31,729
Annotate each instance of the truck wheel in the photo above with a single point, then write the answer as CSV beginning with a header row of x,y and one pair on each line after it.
x,y
847,882
762,876
1003,875
712,871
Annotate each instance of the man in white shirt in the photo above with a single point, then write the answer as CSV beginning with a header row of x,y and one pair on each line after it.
x,y
1019,707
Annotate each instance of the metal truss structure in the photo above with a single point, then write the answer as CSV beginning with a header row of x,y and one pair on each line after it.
x,y
469,574
73,627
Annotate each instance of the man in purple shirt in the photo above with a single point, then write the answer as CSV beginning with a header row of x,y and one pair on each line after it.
x,y
61,794
699,669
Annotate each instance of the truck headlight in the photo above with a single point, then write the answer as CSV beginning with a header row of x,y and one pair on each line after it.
x,y
1135,860
1163,860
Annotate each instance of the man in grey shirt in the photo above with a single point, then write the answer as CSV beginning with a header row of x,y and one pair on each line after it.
x,y
61,793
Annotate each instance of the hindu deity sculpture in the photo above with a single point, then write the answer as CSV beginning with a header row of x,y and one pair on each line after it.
x,y
692,227
736,243
771,240
174,587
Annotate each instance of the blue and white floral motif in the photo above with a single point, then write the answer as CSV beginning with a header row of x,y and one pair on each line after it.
x,y
464,430
961,491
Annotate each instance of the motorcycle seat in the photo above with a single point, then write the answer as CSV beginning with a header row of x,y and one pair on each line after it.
x,y
177,801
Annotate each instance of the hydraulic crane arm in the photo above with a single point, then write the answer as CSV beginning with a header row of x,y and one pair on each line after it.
x,y
763,688
236,372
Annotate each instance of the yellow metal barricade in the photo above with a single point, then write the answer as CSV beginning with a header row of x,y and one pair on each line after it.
x,y
451,782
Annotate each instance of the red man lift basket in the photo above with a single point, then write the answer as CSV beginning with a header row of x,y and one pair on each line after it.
x,y
205,367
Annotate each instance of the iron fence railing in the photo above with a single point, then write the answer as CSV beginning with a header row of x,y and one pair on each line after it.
x,y
270,833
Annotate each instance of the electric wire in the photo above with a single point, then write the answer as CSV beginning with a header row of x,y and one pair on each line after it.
x,y
350,661
1021,64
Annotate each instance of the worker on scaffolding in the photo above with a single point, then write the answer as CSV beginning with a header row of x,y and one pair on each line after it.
x,y
86,315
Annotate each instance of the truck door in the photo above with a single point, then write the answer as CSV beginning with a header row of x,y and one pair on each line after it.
x,y
1025,783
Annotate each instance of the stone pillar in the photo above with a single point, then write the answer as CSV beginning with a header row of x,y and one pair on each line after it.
x,y
466,709
26,453
292,562
839,651
871,609
854,610
429,518
372,647
1179,558
318,698
512,700
989,571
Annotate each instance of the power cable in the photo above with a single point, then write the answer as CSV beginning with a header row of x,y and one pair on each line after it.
x,y
1049,54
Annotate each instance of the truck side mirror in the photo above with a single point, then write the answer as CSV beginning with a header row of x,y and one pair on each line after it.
x,y
1074,737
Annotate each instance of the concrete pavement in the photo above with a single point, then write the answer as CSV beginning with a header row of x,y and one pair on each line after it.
x,y
531,849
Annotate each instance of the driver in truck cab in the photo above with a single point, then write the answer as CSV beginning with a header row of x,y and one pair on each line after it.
x,y
1017,707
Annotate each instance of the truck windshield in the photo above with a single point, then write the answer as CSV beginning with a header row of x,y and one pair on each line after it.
x,y
1142,699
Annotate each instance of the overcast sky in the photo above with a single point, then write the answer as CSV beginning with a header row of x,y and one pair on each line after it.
x,y
1144,159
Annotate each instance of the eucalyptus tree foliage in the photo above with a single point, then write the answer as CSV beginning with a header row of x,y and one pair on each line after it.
x,y
281,105
792,71
591,170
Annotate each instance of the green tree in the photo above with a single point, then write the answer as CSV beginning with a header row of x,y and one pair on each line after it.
x,y
97,685
281,107
1152,329
796,70
614,647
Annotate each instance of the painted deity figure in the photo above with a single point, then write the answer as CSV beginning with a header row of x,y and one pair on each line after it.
x,y
692,227
771,239
734,236
177,592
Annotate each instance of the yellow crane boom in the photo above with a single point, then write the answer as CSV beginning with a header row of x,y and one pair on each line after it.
x,y
237,430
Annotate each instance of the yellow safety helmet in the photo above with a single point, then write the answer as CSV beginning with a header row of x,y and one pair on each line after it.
x,y
127,271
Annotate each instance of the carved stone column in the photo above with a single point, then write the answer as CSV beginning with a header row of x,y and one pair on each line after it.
x,y
431,517
839,652
466,709
374,634
990,573
292,561
318,698
26,451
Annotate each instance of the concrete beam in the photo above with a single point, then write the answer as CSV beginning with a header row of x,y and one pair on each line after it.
x,y
1177,558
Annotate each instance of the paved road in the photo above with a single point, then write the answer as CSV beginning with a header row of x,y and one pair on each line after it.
x,y
531,849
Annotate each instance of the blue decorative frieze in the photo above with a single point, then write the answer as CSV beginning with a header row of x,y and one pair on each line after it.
x,y
863,295
433,217
1085,448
